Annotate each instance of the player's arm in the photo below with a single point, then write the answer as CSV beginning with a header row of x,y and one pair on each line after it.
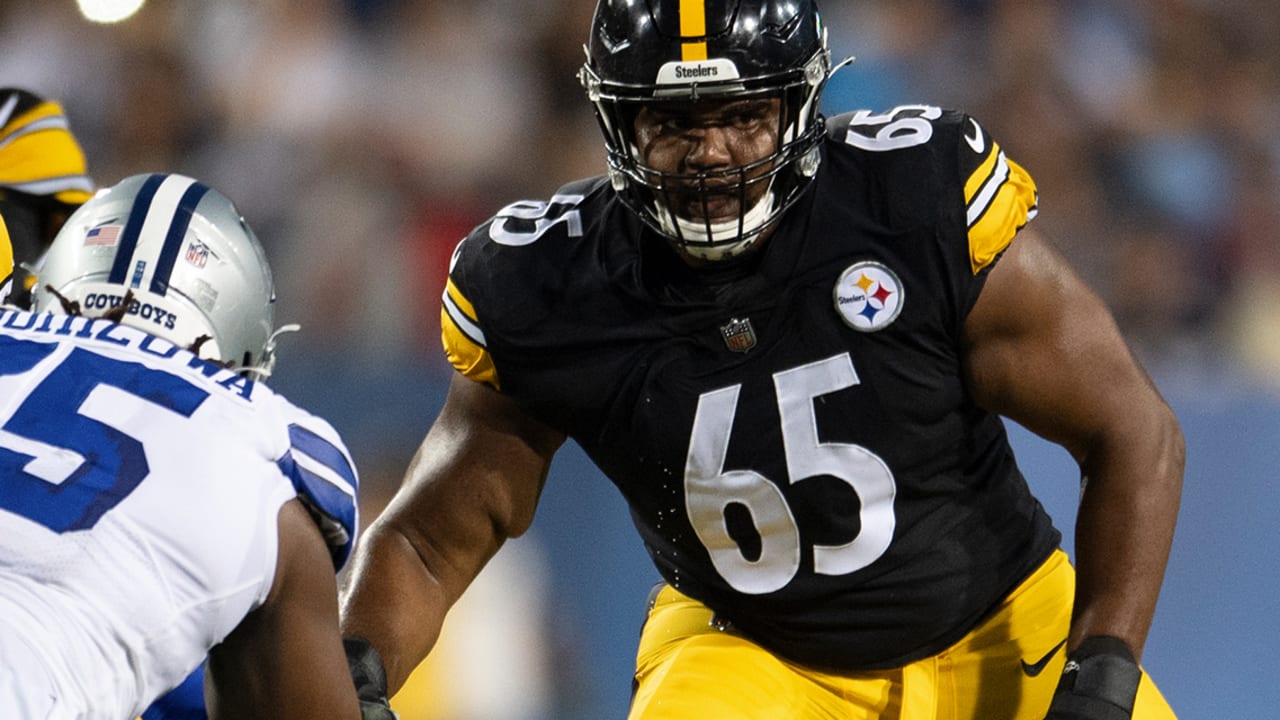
x,y
474,482
1044,350
285,659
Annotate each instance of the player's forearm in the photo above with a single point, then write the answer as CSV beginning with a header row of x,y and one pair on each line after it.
x,y
392,599
1124,532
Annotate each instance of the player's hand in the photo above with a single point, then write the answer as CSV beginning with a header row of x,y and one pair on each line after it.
x,y
370,678
1099,682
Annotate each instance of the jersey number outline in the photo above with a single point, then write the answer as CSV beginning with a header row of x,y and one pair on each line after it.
x,y
710,489
544,214
902,127
70,452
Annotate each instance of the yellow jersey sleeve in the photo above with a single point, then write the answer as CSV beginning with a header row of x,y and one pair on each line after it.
x,y
463,340
1000,197
38,153
6,261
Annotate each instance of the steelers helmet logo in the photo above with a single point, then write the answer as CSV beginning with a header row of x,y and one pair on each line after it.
x,y
868,296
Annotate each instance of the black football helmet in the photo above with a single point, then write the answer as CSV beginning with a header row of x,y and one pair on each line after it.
x,y
652,51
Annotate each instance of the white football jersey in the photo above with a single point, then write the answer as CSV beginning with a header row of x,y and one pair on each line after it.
x,y
139,493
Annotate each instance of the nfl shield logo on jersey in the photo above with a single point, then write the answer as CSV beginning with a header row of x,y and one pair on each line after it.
x,y
738,335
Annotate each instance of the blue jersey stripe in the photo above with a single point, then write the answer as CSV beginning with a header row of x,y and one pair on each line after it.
x,y
129,238
173,240
323,452
335,510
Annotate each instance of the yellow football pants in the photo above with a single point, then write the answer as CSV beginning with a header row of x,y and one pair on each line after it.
x,y
688,670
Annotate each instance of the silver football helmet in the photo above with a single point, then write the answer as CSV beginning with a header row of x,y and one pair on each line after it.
x,y
193,265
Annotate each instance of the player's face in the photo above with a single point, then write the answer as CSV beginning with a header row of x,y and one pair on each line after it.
x,y
709,143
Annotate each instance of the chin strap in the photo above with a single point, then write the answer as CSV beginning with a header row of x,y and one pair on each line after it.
x,y
718,245
267,363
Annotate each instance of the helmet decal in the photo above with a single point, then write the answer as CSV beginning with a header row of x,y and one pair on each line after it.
x,y
176,259
197,253
693,24
105,233
165,204
683,72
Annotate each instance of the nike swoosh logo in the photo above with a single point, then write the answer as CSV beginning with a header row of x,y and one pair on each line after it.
x,y
976,141
1035,668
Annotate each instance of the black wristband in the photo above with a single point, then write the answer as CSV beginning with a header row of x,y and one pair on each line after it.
x,y
367,671
1099,682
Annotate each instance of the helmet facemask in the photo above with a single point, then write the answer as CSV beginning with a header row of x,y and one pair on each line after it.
x,y
679,206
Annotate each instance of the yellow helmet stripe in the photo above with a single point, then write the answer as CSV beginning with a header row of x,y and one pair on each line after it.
x,y
693,23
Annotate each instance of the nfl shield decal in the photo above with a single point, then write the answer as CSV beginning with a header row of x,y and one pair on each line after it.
x,y
738,335
197,253
868,296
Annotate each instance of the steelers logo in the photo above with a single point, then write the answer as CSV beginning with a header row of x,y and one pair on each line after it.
x,y
868,296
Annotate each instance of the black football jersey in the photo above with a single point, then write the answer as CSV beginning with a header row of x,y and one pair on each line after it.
x,y
793,436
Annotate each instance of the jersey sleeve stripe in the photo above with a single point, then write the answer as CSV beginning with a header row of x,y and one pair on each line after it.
x,y
38,153
1011,206
326,483
325,455
462,313
50,122
465,355
464,342
62,185
996,169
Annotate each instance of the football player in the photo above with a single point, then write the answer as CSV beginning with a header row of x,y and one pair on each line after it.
x,y
158,503
789,341
43,178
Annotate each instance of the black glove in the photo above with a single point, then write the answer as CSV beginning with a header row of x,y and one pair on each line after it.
x,y
370,679
1099,682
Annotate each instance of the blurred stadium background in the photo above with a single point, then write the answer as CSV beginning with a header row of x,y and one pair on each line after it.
x,y
363,138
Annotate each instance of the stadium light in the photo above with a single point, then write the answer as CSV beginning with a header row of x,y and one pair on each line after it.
x,y
109,11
